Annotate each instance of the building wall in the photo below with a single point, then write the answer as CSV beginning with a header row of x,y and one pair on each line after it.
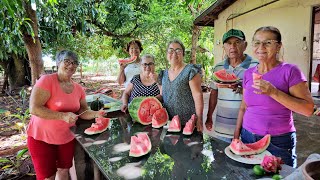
x,y
291,17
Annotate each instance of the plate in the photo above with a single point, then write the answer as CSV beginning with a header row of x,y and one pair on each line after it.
x,y
254,159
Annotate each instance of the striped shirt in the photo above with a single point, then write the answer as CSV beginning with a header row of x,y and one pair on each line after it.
x,y
141,90
228,103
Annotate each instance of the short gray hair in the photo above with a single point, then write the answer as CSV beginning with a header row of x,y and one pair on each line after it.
x,y
66,54
148,56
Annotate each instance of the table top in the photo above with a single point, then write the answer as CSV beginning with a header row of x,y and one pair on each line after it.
x,y
177,156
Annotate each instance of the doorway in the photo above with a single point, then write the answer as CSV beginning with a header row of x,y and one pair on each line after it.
x,y
315,62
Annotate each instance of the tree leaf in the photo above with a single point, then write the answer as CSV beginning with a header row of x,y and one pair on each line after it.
x,y
21,153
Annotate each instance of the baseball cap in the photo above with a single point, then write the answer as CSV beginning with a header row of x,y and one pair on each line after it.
x,y
233,33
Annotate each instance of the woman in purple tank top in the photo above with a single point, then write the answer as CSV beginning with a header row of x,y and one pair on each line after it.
x,y
271,91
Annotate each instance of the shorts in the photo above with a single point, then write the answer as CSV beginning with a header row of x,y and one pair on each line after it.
x,y
47,158
283,145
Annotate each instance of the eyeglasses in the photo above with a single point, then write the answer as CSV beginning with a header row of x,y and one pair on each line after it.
x,y
266,43
177,51
68,62
147,64
229,43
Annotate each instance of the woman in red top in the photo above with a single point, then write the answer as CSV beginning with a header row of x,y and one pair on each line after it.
x,y
55,103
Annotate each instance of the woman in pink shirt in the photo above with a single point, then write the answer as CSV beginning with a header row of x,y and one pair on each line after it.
x,y
268,101
55,103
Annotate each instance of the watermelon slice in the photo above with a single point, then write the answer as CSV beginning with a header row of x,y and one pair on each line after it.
x,y
239,148
141,109
140,145
175,125
99,126
256,76
190,125
222,76
127,61
160,118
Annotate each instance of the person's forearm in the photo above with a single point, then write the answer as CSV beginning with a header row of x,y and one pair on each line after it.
x,y
199,105
90,115
297,105
212,102
46,113
125,98
121,77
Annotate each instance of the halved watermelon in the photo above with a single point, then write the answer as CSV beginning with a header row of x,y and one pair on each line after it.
x,y
99,126
160,118
127,61
175,125
256,76
190,125
222,76
239,148
141,109
140,145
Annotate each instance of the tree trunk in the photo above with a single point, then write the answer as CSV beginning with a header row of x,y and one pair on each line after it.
x,y
4,64
33,45
195,36
16,73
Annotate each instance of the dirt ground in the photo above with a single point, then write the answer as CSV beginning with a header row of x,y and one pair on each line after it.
x,y
12,133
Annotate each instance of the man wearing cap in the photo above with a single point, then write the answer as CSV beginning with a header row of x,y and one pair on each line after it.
x,y
225,100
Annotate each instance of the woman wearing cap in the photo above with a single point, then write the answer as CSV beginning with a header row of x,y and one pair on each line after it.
x,y
143,84
127,71
269,98
55,103
180,86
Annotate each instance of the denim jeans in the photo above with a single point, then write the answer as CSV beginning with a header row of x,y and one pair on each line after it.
x,y
283,145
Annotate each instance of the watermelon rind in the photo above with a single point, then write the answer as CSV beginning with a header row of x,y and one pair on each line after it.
x,y
134,108
155,121
239,148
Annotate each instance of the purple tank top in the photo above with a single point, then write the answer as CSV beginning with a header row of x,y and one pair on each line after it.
x,y
264,115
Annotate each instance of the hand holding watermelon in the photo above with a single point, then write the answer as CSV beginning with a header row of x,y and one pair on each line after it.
x,y
264,87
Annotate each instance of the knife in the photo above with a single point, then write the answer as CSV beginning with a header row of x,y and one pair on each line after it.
x,y
83,112
164,131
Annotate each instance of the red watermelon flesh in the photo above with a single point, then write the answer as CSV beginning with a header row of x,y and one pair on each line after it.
x,y
222,76
256,76
142,109
190,125
99,126
160,118
127,61
239,148
140,145
175,125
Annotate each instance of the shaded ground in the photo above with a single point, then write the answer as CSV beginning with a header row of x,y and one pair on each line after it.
x,y
12,136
